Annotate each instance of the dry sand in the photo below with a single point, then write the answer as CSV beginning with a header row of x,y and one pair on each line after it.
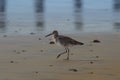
x,y
28,58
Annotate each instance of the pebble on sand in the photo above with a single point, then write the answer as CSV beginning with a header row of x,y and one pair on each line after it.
x,y
4,35
36,72
39,38
74,70
51,65
91,62
11,61
32,33
97,56
91,72
18,52
23,50
41,50
96,41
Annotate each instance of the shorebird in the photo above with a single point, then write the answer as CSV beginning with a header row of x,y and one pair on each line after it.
x,y
64,41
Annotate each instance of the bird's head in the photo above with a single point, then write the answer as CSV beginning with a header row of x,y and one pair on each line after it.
x,y
55,33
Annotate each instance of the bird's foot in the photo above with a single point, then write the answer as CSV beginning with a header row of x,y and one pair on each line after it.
x,y
67,58
58,56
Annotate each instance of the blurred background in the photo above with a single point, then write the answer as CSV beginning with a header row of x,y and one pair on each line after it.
x,y
67,16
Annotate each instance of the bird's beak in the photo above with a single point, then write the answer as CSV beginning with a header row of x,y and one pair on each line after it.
x,y
48,34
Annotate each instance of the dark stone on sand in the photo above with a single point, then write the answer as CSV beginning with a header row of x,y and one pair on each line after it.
x,y
91,62
41,50
39,38
91,73
51,65
18,52
14,50
96,41
11,61
23,50
32,33
4,35
36,72
97,56
74,70
52,42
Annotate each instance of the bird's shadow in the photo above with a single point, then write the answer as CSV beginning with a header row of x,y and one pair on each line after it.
x,y
83,60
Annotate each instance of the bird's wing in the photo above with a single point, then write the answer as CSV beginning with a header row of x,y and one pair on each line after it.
x,y
69,40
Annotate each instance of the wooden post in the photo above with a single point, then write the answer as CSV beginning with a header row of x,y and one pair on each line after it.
x,y
78,14
116,15
116,5
39,13
2,5
2,15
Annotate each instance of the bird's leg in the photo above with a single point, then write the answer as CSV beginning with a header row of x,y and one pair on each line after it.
x,y
68,53
61,53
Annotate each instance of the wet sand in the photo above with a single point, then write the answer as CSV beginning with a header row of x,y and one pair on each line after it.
x,y
33,58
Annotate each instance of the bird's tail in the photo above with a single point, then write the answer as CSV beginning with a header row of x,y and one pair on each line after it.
x,y
77,43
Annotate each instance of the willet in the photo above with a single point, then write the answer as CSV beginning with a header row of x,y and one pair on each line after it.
x,y
64,41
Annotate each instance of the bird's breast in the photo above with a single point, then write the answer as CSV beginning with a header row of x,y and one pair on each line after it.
x,y
53,39
56,40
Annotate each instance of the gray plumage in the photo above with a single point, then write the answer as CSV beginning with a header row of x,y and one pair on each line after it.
x,y
65,41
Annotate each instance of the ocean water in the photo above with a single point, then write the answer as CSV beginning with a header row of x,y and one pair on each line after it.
x,y
67,16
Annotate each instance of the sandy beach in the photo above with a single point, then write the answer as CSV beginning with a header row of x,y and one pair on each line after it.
x,y
33,58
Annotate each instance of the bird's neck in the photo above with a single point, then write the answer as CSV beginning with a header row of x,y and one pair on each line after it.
x,y
55,36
